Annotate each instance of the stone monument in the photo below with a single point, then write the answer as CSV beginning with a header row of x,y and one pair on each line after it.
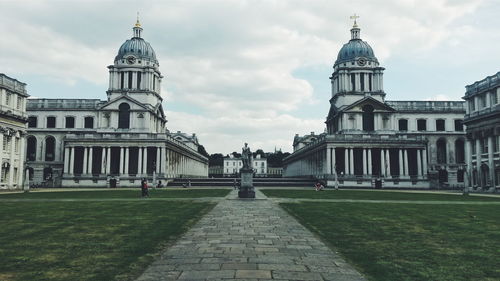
x,y
246,172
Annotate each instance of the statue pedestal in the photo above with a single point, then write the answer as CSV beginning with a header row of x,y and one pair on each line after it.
x,y
246,189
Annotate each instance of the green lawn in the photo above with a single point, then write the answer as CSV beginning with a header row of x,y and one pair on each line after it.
x,y
116,194
372,195
96,240
409,241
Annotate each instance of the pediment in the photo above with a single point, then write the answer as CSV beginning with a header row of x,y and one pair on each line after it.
x,y
377,105
115,103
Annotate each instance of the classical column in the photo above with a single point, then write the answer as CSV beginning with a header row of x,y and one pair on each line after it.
x,y
84,172
158,159
103,160
164,161
333,167
369,151
91,154
72,160
12,152
66,160
108,160
145,163
328,166
419,163
468,155
127,157
20,163
351,156
346,161
401,170
382,162
139,164
478,162
407,170
122,158
364,162
388,160
491,165
424,162
1,154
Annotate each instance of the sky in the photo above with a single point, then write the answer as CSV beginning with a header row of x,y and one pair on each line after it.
x,y
250,71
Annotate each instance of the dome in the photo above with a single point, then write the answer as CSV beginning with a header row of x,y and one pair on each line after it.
x,y
137,47
353,49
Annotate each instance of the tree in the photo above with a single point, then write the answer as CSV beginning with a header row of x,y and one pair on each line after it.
x,y
216,159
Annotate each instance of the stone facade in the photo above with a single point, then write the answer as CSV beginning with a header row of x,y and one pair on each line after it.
x,y
406,144
483,133
13,119
114,142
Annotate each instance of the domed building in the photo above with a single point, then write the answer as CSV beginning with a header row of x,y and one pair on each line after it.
x,y
114,142
371,142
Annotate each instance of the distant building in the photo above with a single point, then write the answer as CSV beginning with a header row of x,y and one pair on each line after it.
x,y
114,142
232,166
13,119
368,139
482,119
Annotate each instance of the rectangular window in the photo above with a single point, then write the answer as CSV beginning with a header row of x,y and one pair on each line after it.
x,y
19,102
7,99
32,121
70,122
353,82
139,76
362,81
482,101
440,125
122,80
370,81
422,125
403,124
472,104
6,143
130,79
484,145
16,145
51,122
89,122
459,125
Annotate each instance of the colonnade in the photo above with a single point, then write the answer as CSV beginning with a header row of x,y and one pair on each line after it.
x,y
160,163
475,174
372,81
16,157
147,81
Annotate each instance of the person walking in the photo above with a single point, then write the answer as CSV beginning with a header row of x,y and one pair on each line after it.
x,y
144,188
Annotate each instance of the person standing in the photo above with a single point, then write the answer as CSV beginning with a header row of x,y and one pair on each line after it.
x,y
144,188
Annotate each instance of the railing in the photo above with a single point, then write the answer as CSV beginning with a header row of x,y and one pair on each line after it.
x,y
12,84
485,84
63,103
428,105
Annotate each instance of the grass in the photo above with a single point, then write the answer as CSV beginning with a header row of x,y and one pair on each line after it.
x,y
409,241
372,195
117,194
91,240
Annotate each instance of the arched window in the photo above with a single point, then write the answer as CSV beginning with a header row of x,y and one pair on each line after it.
x,y
31,150
459,151
124,116
368,118
441,151
50,148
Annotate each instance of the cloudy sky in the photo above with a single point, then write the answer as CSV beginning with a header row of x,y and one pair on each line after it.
x,y
250,71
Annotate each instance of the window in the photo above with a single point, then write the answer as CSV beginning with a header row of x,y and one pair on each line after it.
x,y
122,80
32,121
130,79
50,148
460,151
370,82
89,122
422,125
7,99
459,125
368,118
51,122
31,150
362,81
440,125
472,104
6,143
482,101
403,124
353,82
19,102
484,145
139,76
70,122
124,116
16,145
441,151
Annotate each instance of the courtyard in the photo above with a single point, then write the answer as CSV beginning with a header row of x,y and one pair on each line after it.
x,y
205,234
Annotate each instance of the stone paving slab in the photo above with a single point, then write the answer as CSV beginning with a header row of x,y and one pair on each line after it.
x,y
249,240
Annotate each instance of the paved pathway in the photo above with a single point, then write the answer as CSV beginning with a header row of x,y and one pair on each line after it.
x,y
249,240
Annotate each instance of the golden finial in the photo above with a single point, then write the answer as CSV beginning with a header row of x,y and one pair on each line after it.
x,y
137,24
354,17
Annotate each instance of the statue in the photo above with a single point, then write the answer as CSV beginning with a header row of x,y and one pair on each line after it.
x,y
246,157
246,189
